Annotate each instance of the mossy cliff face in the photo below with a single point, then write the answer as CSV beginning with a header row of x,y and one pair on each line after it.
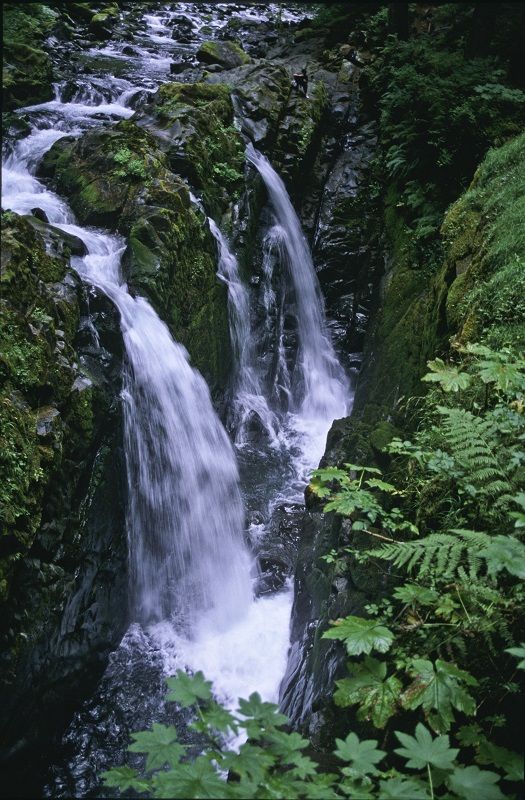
x,y
57,413
27,72
123,180
484,241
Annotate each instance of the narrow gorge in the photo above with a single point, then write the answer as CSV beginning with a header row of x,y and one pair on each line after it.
x,y
221,287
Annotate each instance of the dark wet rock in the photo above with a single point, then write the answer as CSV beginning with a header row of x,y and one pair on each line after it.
x,y
58,242
259,92
46,420
39,214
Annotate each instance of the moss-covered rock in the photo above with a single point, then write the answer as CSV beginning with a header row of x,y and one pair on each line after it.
x,y
227,54
123,179
37,370
27,72
193,124
485,252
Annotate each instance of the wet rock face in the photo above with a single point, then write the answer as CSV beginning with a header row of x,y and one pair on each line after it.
x,y
60,443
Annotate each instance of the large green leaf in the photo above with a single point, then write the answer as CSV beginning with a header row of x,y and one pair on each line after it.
x,y
216,718
423,749
473,782
511,763
505,552
437,689
263,714
403,789
451,379
251,761
160,745
125,778
187,689
195,779
362,756
360,635
519,652
376,694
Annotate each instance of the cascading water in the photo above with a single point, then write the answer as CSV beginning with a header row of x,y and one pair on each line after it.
x,y
320,389
185,517
248,397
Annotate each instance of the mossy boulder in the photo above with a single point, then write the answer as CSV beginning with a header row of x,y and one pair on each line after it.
x,y
193,124
37,369
124,180
27,73
485,252
227,54
260,92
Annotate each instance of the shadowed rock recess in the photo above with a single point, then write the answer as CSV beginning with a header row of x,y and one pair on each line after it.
x,y
134,118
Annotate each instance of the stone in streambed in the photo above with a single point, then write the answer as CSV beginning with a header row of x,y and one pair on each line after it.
x,y
226,54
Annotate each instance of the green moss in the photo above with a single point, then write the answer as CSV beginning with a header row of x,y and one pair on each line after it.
x,y
35,393
228,54
485,240
27,72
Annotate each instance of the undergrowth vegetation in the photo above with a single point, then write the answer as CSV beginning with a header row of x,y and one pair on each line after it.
x,y
433,666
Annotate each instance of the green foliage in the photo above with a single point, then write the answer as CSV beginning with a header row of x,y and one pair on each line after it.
x,y
360,635
273,763
440,111
454,624
369,687
131,167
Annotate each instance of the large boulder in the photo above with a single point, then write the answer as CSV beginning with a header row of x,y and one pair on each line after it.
x,y
121,178
226,54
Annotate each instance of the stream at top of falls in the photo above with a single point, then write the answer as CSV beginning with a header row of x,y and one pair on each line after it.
x,y
191,563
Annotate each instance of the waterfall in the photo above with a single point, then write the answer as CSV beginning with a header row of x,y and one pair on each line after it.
x,y
249,404
320,389
185,515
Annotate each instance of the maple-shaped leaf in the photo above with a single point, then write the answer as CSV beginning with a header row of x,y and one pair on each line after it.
x,y
511,763
403,789
286,745
198,778
160,746
437,689
321,789
451,379
251,762
125,778
412,593
362,756
303,766
360,635
265,714
369,686
217,718
473,782
423,749
507,377
187,689
505,552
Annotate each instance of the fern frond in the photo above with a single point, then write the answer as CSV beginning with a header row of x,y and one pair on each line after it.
x,y
442,553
